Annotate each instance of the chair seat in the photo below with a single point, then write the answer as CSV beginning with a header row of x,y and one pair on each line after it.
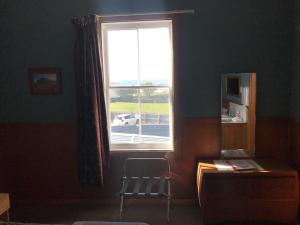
x,y
148,178
107,223
143,186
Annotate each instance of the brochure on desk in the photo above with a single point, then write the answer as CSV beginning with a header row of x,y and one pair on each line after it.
x,y
237,165
236,153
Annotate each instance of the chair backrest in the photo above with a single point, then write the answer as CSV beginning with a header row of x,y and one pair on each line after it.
x,y
143,167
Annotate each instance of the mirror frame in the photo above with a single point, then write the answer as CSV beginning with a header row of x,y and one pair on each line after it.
x,y
251,126
251,112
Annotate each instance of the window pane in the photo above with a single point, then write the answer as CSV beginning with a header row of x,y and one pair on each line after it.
x,y
124,109
155,56
139,54
155,118
122,57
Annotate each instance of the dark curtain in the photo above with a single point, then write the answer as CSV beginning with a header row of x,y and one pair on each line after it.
x,y
92,123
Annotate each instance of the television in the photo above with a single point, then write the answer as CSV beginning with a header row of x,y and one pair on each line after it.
x,y
233,86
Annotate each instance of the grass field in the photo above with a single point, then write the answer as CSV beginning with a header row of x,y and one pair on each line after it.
x,y
161,108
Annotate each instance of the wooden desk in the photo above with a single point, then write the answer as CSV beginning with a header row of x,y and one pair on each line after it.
x,y
4,204
268,195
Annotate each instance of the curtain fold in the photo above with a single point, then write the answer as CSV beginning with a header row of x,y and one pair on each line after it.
x,y
92,123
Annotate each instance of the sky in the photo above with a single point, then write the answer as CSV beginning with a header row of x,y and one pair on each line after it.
x,y
145,51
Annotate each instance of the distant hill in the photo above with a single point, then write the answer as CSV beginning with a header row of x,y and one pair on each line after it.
x,y
134,82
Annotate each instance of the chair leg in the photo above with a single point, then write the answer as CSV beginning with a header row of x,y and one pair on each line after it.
x,y
121,206
169,201
168,208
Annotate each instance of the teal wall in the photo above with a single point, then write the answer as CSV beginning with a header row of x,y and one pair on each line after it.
x,y
223,36
295,82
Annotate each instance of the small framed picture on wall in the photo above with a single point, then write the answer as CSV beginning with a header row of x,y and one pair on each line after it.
x,y
45,81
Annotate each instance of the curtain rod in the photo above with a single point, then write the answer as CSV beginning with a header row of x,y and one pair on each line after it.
x,y
190,11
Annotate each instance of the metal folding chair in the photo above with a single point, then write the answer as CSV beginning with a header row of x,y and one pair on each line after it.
x,y
136,183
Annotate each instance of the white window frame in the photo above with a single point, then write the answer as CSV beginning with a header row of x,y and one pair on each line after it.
x,y
136,25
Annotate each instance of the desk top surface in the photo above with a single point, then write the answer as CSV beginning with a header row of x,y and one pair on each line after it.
x,y
270,168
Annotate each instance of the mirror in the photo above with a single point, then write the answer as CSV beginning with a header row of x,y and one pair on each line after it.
x,y
238,103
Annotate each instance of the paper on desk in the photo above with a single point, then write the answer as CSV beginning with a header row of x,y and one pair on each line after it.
x,y
244,164
236,153
237,164
223,165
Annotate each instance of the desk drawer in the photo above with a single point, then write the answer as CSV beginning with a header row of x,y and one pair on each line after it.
x,y
252,187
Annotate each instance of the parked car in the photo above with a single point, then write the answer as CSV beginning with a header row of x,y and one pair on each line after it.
x,y
125,119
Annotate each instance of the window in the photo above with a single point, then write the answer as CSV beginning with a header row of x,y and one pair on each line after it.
x,y
138,72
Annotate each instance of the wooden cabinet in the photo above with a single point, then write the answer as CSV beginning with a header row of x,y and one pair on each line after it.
x,y
268,195
4,204
234,135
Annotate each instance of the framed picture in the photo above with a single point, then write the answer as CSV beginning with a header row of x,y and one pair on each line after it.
x,y
45,81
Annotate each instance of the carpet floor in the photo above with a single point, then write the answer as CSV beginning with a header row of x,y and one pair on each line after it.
x,y
151,214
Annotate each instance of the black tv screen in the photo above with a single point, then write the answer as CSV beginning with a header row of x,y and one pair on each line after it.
x,y
233,86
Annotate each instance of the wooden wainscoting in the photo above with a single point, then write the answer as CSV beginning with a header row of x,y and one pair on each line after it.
x,y
295,143
40,159
201,137
272,139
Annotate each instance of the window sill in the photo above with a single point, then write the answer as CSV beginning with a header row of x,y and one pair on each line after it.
x,y
141,150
